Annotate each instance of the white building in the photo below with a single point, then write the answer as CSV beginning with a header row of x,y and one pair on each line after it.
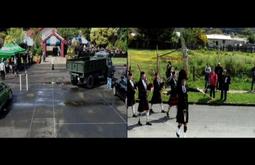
x,y
221,40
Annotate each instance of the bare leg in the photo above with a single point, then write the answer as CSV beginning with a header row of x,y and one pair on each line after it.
x,y
148,117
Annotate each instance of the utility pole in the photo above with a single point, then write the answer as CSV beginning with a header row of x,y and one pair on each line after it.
x,y
184,55
157,60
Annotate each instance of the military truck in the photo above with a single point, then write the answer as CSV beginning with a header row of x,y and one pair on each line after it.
x,y
90,70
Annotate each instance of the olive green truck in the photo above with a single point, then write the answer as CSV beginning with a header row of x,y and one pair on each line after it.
x,y
90,70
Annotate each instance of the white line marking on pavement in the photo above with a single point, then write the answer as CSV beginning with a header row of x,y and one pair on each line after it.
x,y
89,123
54,119
114,110
34,110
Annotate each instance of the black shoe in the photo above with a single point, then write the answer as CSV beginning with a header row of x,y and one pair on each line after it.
x,y
148,123
139,123
151,111
134,115
177,135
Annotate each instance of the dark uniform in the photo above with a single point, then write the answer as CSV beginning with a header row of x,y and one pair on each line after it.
x,y
156,97
225,86
182,106
173,99
219,71
143,97
253,77
131,93
168,70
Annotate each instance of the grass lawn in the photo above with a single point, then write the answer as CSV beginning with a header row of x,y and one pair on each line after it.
x,y
232,98
119,61
147,61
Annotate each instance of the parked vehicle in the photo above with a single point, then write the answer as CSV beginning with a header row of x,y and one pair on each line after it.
x,y
5,94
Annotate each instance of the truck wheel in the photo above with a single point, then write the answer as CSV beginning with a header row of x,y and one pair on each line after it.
x,y
90,82
74,81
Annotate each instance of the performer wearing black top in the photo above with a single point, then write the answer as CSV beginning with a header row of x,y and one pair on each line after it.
x,y
182,106
173,99
168,69
143,100
131,87
225,86
156,97
219,71
253,77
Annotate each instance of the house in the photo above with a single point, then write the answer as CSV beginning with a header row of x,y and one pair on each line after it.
x,y
223,41
51,39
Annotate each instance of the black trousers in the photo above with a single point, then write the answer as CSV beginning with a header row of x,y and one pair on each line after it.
x,y
212,91
3,75
252,83
223,92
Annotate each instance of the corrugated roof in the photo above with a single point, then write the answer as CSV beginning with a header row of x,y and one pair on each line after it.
x,y
225,37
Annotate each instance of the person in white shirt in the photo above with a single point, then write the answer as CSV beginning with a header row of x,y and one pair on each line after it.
x,y
2,69
131,87
207,73
143,98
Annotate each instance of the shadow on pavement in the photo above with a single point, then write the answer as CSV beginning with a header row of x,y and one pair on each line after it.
x,y
133,126
161,120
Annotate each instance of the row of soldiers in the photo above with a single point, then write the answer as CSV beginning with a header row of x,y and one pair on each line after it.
x,y
178,96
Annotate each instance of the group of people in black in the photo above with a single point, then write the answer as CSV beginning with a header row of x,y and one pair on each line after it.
x,y
89,50
14,64
178,96
217,78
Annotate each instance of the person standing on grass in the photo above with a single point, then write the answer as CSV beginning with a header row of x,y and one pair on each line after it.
x,y
143,98
156,97
182,105
131,87
168,69
207,73
253,77
225,85
2,69
173,99
213,79
219,71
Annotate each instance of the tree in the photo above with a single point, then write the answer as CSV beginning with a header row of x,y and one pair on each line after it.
x,y
251,38
247,32
2,37
103,37
150,37
214,31
175,40
68,33
14,35
195,37
122,39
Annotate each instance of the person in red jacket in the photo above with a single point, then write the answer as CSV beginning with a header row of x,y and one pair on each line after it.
x,y
213,79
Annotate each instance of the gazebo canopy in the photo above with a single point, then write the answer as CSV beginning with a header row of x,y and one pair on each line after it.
x,y
9,50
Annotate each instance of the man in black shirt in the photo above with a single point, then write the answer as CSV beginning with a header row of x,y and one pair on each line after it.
x,y
219,71
253,77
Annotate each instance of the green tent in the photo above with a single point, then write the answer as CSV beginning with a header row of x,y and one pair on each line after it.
x,y
10,50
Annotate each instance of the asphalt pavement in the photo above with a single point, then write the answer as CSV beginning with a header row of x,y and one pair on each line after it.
x,y
52,107
204,122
